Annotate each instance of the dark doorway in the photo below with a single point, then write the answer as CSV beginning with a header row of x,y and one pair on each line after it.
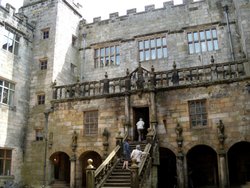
x,y
167,169
202,167
61,165
144,114
97,161
239,163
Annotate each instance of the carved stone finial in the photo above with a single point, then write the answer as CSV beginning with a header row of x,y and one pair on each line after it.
x,y
174,65
212,59
90,162
106,75
152,68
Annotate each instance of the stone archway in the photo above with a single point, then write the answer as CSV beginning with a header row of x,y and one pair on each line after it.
x,y
60,165
167,169
97,161
202,167
239,163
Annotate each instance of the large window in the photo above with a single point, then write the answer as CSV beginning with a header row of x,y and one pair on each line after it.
x,y
202,41
10,41
6,92
197,113
107,56
90,123
5,162
151,49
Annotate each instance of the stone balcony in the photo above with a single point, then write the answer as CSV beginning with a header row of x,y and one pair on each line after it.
x,y
144,80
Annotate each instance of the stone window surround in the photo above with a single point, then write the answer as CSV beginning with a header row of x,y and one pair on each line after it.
x,y
45,33
41,98
202,43
39,134
43,63
151,50
198,113
90,123
6,158
12,40
7,87
106,55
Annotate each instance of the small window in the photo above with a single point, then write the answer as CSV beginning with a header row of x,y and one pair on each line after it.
x,y
10,41
151,49
39,134
90,123
41,99
6,92
202,41
45,33
43,64
73,68
197,113
5,162
74,38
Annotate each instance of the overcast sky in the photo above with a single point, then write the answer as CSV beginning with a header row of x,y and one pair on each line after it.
x,y
96,8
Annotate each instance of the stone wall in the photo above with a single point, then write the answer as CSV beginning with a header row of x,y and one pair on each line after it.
x,y
16,70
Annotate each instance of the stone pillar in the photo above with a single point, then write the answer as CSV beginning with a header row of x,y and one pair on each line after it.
x,y
73,171
127,114
222,168
90,174
180,170
134,174
153,113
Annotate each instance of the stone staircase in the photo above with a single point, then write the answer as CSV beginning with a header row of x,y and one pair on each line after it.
x,y
120,178
60,184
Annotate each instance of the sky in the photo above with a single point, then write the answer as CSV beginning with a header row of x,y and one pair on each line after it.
x,y
102,8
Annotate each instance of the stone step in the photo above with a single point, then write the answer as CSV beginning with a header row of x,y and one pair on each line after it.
x,y
121,184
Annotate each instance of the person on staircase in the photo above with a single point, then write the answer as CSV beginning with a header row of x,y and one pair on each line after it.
x,y
140,127
126,153
137,154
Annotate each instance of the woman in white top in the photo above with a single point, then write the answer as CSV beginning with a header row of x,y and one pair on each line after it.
x,y
137,154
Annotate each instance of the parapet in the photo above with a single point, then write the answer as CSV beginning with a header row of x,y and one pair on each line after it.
x,y
168,5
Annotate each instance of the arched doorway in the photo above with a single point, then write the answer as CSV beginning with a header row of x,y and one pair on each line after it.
x,y
60,167
167,169
97,161
239,163
202,167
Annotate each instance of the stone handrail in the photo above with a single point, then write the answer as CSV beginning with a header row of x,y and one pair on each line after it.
x,y
102,172
146,161
147,80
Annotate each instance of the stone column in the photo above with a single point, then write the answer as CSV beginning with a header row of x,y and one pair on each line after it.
x,y
153,116
180,170
223,170
127,114
134,174
73,171
90,174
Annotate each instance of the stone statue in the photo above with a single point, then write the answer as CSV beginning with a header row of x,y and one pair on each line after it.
x,y
106,84
140,80
74,139
175,76
178,130
220,127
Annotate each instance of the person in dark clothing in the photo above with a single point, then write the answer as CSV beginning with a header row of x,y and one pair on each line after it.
x,y
126,154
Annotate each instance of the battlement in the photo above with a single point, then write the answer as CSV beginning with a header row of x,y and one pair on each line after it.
x,y
17,21
169,6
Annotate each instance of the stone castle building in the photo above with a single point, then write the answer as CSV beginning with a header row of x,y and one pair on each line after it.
x,y
69,90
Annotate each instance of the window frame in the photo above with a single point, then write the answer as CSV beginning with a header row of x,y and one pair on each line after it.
x,y
41,99
4,157
10,90
198,115
90,120
107,55
45,33
149,48
202,40
12,40
43,64
39,134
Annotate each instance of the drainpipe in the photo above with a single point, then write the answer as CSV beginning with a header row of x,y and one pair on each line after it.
x,y
229,32
46,114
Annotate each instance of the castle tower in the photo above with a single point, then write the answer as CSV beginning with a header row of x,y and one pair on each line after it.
x,y
55,57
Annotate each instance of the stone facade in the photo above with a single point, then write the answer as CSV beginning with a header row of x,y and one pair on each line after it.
x,y
14,70
96,86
